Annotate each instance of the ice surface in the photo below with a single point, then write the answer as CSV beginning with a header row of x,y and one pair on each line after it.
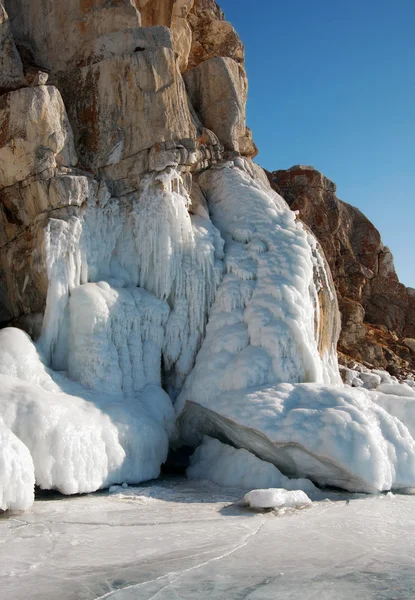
x,y
276,498
191,540
401,389
17,474
232,467
334,436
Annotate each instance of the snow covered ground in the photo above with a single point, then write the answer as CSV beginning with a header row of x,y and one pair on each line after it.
x,y
190,540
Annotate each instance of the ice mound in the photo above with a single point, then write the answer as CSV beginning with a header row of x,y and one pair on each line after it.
x,y
17,474
276,498
80,440
333,436
232,467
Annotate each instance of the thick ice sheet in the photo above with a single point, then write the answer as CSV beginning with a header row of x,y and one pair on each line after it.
x,y
232,467
334,436
190,540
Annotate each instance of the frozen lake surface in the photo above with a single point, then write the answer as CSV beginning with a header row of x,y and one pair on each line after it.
x,y
175,539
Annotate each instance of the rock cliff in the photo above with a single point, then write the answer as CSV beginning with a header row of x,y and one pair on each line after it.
x,y
378,312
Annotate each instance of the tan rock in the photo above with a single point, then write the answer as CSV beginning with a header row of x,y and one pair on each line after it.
x,y
23,203
11,68
124,105
212,37
218,89
35,134
53,32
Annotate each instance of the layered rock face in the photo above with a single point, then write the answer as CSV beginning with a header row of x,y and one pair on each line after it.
x,y
378,312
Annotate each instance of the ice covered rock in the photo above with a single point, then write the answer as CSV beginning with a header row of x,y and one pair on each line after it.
x,y
397,389
148,240
232,467
376,309
276,498
17,476
333,436
400,406
266,322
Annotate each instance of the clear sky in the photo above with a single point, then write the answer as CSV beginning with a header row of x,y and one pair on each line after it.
x,y
332,84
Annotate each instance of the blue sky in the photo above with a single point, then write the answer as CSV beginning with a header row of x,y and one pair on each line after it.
x,y
332,84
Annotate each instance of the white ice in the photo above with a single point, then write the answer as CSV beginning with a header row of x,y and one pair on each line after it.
x,y
17,474
276,498
334,436
232,467
80,440
146,239
262,326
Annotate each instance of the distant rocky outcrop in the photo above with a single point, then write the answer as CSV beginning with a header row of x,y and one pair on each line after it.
x,y
378,312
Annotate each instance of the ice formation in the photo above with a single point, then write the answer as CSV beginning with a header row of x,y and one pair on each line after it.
x,y
230,467
148,240
262,327
80,440
276,498
231,311
334,436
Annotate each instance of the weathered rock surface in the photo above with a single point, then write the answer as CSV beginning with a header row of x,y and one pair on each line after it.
x,y
11,67
35,134
218,90
198,28
52,33
37,181
123,105
378,312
